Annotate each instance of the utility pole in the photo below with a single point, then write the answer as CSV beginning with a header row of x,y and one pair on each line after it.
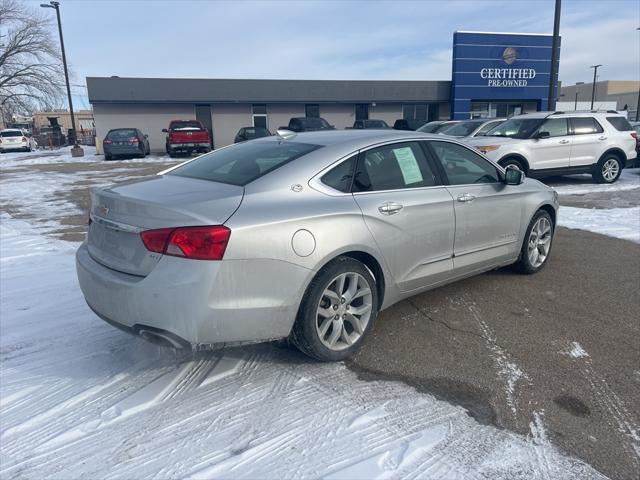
x,y
555,46
593,88
76,151
575,106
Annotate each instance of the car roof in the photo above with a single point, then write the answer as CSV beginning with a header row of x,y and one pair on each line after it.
x,y
11,130
352,138
569,113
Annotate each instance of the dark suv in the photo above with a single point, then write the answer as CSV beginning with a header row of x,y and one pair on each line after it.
x,y
308,124
249,133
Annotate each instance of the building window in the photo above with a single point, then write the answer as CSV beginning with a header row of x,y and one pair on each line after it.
x,y
259,115
312,110
362,111
418,111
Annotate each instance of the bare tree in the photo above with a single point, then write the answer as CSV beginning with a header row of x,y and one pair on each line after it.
x,y
30,64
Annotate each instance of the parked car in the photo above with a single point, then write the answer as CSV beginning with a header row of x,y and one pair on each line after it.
x,y
636,127
467,129
15,139
129,142
297,236
436,126
186,136
251,133
307,124
408,125
370,124
558,143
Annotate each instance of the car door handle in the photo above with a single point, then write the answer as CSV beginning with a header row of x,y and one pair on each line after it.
x,y
563,142
466,197
389,208
602,138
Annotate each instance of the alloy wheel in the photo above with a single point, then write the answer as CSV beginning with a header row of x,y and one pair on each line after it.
x,y
539,242
610,170
344,311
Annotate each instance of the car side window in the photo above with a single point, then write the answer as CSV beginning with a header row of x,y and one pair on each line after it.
x,y
557,127
585,126
462,165
339,177
393,167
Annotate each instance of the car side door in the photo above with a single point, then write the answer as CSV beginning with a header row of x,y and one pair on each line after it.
x,y
552,150
589,140
408,212
488,211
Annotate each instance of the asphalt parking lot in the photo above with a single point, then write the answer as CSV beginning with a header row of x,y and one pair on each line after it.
x,y
563,343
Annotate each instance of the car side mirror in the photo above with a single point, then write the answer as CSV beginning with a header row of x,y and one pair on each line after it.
x,y
542,135
146,136
165,130
513,176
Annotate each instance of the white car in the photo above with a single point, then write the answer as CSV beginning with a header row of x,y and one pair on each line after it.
x,y
561,143
15,139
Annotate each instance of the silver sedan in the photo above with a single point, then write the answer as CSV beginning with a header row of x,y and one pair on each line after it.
x,y
306,237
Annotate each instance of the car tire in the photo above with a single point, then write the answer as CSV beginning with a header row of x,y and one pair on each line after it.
x,y
539,237
108,157
514,162
608,169
336,336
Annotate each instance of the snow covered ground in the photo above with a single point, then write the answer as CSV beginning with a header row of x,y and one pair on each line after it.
x,y
80,399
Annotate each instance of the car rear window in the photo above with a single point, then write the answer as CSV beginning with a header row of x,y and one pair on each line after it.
x,y
186,125
243,163
11,133
124,133
319,123
620,123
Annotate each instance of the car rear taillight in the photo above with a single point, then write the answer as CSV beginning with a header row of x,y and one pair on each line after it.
x,y
24,139
634,135
107,141
135,140
198,243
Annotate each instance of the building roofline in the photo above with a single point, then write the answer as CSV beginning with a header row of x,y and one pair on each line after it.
x,y
507,33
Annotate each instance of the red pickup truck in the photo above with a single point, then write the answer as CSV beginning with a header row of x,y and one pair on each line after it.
x,y
187,136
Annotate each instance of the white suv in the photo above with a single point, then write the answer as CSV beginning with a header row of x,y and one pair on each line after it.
x,y
561,143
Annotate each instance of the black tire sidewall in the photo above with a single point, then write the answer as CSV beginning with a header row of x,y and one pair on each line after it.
x,y
598,174
512,161
304,334
524,264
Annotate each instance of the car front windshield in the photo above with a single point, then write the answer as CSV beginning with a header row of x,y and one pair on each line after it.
x,y
11,133
376,124
244,162
319,123
516,128
461,129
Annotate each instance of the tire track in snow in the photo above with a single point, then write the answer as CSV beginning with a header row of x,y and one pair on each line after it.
x,y
508,371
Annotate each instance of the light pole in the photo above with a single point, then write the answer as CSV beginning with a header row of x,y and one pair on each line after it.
x,y
76,151
555,46
593,89
638,104
575,106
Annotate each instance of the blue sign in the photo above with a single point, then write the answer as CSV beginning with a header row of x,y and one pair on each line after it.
x,y
500,68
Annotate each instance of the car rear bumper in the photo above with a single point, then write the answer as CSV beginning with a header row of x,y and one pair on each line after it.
x,y
122,150
197,304
189,146
7,147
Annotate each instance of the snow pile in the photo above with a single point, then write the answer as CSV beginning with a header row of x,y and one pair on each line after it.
x,y
80,399
63,155
583,184
621,223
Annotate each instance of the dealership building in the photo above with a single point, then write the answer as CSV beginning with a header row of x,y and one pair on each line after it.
x,y
493,74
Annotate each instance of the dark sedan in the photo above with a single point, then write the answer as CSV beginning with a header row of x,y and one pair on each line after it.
x,y
249,133
129,142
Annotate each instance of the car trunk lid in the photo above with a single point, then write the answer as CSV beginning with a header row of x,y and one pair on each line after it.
x,y
121,212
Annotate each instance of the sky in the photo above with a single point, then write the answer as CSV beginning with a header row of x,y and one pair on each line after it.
x,y
330,39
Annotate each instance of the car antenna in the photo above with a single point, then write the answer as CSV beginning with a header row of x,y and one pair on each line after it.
x,y
284,134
